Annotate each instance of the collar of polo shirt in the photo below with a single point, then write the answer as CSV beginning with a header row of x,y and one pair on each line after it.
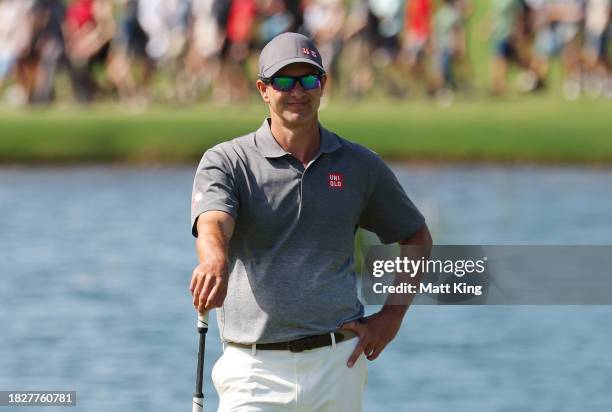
x,y
269,147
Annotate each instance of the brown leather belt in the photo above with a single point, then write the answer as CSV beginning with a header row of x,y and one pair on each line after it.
x,y
300,345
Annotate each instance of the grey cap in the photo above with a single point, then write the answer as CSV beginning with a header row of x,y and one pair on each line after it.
x,y
285,49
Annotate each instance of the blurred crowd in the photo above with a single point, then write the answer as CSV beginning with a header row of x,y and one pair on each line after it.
x,y
529,33
183,50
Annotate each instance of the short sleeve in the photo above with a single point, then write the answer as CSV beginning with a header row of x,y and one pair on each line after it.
x,y
388,211
214,187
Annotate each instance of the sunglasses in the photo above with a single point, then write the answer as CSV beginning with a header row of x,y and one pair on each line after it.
x,y
287,83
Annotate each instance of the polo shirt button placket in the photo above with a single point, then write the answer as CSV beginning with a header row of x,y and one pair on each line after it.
x,y
300,177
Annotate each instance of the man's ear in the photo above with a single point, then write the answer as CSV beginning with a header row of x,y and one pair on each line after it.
x,y
323,82
263,90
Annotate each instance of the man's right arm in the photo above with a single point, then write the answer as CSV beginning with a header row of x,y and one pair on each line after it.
x,y
210,277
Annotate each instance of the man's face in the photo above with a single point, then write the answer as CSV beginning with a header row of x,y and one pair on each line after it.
x,y
298,106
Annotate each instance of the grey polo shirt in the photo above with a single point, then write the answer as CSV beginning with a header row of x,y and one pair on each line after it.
x,y
292,252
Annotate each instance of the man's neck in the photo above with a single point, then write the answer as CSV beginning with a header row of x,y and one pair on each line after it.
x,y
302,142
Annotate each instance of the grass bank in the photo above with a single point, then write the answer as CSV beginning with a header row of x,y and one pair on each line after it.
x,y
533,130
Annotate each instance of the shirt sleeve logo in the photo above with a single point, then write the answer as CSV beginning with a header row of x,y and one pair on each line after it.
x,y
335,180
196,198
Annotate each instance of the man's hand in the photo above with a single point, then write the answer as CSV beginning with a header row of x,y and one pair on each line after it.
x,y
209,284
209,279
375,333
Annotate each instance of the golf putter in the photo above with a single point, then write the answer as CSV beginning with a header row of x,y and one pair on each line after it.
x,y
198,395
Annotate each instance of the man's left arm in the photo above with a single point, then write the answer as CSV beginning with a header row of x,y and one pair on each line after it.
x,y
377,330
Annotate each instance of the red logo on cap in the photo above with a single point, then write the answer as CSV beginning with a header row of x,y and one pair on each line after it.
x,y
335,180
309,52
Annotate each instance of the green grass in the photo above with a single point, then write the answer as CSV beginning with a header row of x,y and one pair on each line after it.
x,y
532,130
535,130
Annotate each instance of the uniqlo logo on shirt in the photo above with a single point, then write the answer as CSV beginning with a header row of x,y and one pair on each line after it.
x,y
335,180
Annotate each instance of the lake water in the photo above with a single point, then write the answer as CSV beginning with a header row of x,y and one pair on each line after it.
x,y
95,265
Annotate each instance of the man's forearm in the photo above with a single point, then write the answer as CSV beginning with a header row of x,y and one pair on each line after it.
x,y
416,247
210,277
211,242
214,233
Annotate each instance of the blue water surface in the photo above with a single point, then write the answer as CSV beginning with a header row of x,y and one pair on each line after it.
x,y
95,265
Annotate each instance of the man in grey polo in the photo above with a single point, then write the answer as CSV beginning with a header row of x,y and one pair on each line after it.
x,y
275,214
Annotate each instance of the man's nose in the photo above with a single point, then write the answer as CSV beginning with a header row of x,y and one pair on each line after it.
x,y
297,90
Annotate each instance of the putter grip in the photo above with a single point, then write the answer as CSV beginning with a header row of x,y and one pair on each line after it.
x,y
203,320
198,404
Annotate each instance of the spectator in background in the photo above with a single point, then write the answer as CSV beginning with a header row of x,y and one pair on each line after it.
x,y
49,47
357,50
558,29
233,77
203,62
385,24
15,38
166,24
510,44
296,9
276,19
89,28
464,71
416,50
128,50
450,45
595,49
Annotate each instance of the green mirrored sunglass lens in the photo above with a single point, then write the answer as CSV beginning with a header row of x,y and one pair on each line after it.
x,y
309,82
284,83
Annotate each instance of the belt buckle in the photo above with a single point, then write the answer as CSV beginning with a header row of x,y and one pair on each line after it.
x,y
296,346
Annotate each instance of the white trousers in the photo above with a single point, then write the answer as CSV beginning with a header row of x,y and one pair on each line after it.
x,y
316,380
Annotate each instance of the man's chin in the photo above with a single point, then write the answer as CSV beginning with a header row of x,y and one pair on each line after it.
x,y
297,117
